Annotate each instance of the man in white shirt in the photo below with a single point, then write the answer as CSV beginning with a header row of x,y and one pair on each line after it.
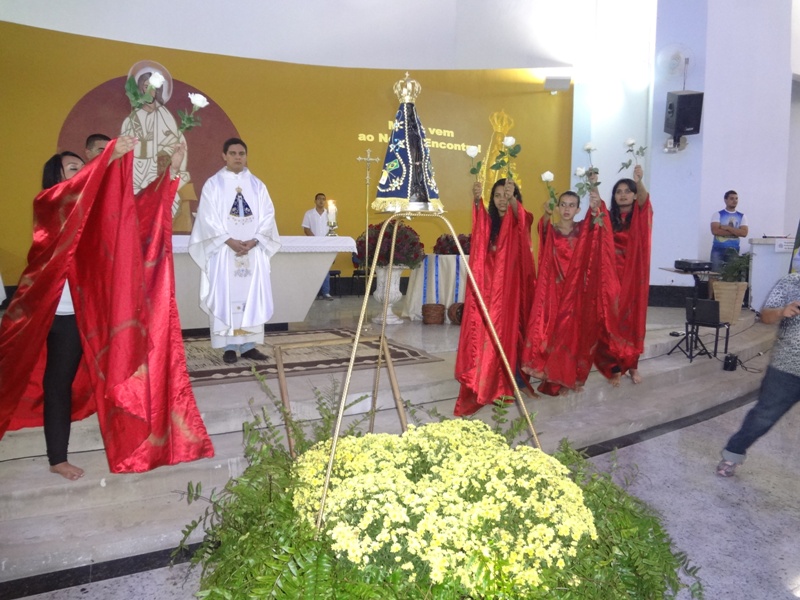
x,y
315,222
233,238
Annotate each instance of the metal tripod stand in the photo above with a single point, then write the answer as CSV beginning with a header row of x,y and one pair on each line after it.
x,y
484,312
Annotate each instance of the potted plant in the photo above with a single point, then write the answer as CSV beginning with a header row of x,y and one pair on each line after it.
x,y
730,289
446,511
409,252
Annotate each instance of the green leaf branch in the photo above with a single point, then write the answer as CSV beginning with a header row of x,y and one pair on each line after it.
x,y
503,160
635,154
585,183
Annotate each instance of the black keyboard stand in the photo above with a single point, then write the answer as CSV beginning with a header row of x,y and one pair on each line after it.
x,y
691,345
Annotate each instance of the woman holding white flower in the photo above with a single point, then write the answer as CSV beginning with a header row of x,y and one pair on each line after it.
x,y
632,221
502,263
93,325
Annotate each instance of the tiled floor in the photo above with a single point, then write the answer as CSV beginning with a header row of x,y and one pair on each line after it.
x,y
743,532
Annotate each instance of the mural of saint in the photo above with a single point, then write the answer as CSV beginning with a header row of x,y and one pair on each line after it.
x,y
103,108
157,130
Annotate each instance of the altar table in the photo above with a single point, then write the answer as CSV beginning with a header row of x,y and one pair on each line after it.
x,y
297,272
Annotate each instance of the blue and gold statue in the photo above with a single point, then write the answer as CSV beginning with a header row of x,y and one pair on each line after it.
x,y
407,181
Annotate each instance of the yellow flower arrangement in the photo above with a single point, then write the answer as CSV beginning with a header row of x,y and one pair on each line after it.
x,y
442,499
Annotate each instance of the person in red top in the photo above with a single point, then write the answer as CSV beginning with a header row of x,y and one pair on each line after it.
x,y
576,298
93,325
558,243
502,264
632,221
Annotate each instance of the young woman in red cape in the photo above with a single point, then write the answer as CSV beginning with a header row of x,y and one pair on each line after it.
x,y
632,221
502,263
116,348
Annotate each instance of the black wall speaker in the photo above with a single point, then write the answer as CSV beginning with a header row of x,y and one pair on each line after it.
x,y
684,110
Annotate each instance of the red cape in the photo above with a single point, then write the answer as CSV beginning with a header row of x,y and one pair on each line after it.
x,y
133,371
632,249
578,303
506,279
555,257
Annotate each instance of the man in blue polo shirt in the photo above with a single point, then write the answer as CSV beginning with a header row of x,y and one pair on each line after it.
x,y
727,226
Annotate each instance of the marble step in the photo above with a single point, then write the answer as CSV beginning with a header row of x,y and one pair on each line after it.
x,y
597,421
33,546
30,490
224,407
49,524
135,514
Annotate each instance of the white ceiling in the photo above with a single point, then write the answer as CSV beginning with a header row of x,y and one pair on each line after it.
x,y
409,34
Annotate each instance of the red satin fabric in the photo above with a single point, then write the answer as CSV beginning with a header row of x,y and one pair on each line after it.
x,y
555,257
133,371
506,278
632,251
587,310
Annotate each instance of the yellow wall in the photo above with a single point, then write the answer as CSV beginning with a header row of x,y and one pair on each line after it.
x,y
302,125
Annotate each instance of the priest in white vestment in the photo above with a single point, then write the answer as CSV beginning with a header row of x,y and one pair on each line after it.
x,y
233,238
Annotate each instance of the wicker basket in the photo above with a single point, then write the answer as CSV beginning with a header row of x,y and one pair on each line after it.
x,y
730,295
433,314
455,312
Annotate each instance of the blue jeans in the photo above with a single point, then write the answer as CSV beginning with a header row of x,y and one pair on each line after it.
x,y
780,391
325,290
718,259
720,256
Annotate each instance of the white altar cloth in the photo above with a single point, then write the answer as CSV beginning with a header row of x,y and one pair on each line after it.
x,y
413,301
297,272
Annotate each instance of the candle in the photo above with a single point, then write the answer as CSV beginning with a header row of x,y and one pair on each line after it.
x,y
331,211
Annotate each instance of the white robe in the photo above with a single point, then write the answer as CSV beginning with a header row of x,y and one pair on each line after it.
x,y
235,291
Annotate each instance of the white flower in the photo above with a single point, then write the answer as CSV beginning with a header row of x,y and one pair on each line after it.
x,y
472,151
630,142
580,172
198,100
509,141
547,177
156,80
589,147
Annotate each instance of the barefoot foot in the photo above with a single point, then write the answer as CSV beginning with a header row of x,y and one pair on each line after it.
x,y
67,470
634,373
615,379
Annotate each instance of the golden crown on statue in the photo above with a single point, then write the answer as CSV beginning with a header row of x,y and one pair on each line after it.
x,y
407,89
501,122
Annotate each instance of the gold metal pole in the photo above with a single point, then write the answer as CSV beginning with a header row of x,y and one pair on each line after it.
x,y
487,322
